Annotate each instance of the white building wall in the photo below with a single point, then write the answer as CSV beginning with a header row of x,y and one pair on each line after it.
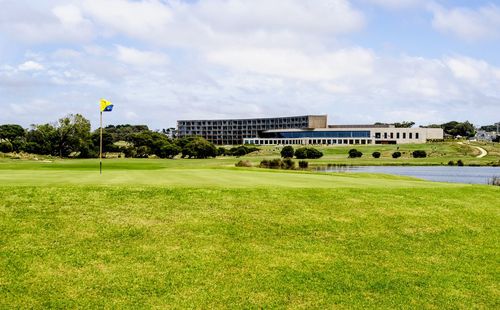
x,y
377,136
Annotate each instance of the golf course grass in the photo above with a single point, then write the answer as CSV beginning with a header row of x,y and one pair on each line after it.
x,y
205,234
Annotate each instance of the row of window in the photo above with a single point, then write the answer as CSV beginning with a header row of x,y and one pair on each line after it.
x,y
306,141
398,135
302,120
318,134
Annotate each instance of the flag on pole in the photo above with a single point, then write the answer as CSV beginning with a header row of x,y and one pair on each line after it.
x,y
106,106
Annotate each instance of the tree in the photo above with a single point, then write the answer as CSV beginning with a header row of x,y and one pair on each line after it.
x,y
396,154
287,152
221,151
308,152
197,147
405,124
488,128
353,153
419,154
6,146
15,135
42,139
376,154
301,153
11,132
169,150
73,131
454,128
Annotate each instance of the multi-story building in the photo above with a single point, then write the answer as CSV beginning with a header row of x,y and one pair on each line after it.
x,y
347,134
233,131
307,129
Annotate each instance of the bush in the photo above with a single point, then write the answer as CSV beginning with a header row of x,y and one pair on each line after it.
x,y
288,163
451,163
308,153
396,154
277,163
419,154
241,150
495,181
303,164
6,147
460,163
169,151
221,151
376,154
353,153
244,163
287,152
199,148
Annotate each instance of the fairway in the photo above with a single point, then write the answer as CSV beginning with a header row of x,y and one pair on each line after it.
x,y
205,234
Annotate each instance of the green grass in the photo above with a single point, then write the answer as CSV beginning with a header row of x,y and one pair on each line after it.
x,y
204,234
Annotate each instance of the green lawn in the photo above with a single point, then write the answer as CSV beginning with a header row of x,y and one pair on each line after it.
x,y
204,234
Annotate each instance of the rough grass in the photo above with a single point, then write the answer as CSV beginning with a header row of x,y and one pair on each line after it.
x,y
176,234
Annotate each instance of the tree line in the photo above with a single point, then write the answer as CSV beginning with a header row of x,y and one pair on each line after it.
x,y
453,128
71,136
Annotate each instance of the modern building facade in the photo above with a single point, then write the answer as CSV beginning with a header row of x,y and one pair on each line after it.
x,y
347,134
233,131
301,130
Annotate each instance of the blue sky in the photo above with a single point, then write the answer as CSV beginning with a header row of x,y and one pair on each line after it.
x,y
359,61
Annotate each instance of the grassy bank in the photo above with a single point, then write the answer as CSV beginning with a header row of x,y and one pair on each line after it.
x,y
204,234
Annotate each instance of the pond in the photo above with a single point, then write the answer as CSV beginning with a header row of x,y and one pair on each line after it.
x,y
454,174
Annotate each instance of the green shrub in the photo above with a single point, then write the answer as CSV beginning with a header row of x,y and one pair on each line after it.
x,y
396,154
278,163
451,163
6,147
221,151
376,154
303,164
287,152
241,150
243,163
353,153
460,163
265,163
308,153
419,154
288,163
169,151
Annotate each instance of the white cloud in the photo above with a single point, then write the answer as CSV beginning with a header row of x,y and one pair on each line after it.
x,y
221,23
136,57
296,64
466,23
143,19
31,66
398,4
36,22
161,60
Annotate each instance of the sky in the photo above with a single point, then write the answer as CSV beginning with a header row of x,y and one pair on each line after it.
x,y
158,61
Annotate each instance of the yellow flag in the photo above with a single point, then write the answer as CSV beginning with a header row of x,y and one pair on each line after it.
x,y
106,106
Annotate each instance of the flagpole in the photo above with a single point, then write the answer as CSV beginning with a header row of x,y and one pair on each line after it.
x,y
100,149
